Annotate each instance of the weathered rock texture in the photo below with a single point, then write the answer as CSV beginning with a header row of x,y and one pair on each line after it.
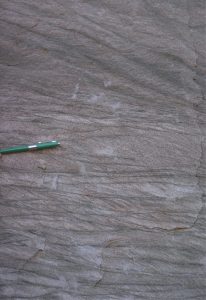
x,y
118,212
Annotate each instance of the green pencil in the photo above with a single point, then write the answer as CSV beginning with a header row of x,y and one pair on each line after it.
x,y
23,148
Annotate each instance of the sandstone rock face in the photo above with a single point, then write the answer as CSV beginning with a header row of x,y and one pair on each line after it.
x,y
118,211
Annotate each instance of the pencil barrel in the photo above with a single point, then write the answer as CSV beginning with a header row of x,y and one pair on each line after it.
x,y
16,149
23,148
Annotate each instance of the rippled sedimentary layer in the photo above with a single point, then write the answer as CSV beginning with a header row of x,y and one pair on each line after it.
x,y
118,211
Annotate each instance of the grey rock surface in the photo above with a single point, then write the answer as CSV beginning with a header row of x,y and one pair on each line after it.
x,y
118,211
